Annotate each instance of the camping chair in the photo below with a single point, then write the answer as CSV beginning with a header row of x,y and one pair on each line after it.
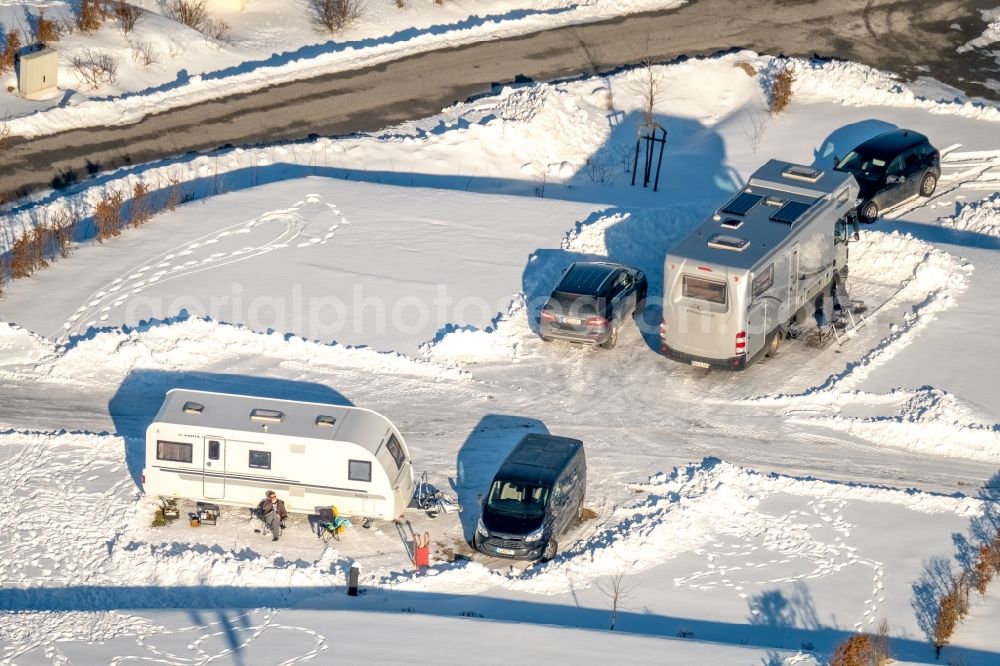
x,y
333,528
258,513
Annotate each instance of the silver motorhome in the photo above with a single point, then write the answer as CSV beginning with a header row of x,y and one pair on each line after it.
x,y
734,286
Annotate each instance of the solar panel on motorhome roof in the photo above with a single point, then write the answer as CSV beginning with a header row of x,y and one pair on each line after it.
x,y
741,203
790,212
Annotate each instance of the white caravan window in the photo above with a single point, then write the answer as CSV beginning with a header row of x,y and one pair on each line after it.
x,y
174,451
260,459
359,470
763,282
704,290
395,450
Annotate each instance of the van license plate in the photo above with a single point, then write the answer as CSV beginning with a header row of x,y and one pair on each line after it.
x,y
573,321
700,364
506,551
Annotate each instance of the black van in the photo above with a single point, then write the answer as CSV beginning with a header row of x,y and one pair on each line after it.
x,y
535,497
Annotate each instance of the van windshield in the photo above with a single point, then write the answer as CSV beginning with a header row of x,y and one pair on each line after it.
x,y
516,498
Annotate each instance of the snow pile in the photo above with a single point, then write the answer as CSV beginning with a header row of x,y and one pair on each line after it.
x,y
190,343
992,33
981,217
689,510
854,84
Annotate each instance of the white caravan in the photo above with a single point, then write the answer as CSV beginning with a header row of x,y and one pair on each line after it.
x,y
735,286
232,449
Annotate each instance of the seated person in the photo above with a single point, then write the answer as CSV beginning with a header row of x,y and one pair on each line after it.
x,y
273,513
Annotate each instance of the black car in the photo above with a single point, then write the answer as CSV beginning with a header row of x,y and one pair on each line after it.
x,y
891,168
591,303
535,497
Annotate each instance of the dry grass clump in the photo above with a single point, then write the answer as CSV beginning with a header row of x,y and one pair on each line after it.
x,y
12,44
46,31
90,16
335,15
780,93
108,216
746,67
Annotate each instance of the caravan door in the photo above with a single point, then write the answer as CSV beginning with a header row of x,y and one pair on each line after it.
x,y
214,471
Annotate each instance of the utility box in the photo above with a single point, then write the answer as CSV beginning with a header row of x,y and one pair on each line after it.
x,y
37,73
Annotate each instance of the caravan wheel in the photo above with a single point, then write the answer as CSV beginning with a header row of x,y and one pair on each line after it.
x,y
773,344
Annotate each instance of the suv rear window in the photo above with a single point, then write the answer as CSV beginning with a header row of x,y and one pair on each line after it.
x,y
704,290
584,279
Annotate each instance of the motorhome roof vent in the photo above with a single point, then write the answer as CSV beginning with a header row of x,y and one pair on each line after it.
x,y
731,223
741,203
327,421
790,212
774,202
807,174
193,407
731,243
267,415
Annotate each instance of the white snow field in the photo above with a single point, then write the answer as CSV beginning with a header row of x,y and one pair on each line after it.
x,y
760,517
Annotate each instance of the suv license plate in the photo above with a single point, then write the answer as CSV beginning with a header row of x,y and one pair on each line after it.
x,y
506,551
700,364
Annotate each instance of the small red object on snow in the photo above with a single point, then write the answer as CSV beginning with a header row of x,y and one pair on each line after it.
x,y
422,552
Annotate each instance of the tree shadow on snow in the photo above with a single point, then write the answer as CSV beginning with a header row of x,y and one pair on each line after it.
x,y
140,395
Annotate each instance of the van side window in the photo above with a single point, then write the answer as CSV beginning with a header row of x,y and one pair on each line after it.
x,y
764,281
174,451
359,470
260,459
395,450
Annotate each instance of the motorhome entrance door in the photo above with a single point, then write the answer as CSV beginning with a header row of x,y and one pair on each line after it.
x,y
793,281
214,477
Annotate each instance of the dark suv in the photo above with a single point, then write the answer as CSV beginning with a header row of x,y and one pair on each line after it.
x,y
591,303
890,169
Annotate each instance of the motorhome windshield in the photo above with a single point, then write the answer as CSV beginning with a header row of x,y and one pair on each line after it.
x,y
516,498
704,290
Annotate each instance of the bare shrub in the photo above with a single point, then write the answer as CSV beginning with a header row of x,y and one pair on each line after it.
x,y
176,195
750,70
96,68
63,226
9,56
648,85
855,651
949,613
217,29
126,15
983,569
46,31
108,216
4,133
617,592
781,91
401,4
20,258
192,13
143,53
89,17
335,15
880,641
140,210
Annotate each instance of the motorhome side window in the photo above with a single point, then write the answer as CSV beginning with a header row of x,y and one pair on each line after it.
x,y
763,282
174,451
260,459
395,450
704,290
214,449
359,470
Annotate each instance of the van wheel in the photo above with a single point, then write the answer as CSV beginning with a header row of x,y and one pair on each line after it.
x,y
612,339
773,344
545,338
928,185
550,550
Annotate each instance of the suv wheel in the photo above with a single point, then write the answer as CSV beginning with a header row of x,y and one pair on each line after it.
x,y
869,212
612,338
928,185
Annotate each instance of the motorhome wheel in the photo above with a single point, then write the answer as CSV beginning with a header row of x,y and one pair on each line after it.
x,y
774,344
928,185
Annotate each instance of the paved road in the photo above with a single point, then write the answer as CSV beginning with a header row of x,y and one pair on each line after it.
x,y
911,37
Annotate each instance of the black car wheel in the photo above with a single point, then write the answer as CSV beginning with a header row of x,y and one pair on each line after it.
x,y
869,212
612,339
550,550
928,185
545,338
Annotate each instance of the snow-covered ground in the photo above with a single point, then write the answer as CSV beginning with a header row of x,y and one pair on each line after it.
x,y
758,518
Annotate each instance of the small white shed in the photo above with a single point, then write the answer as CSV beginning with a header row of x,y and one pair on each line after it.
x,y
232,449
37,73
